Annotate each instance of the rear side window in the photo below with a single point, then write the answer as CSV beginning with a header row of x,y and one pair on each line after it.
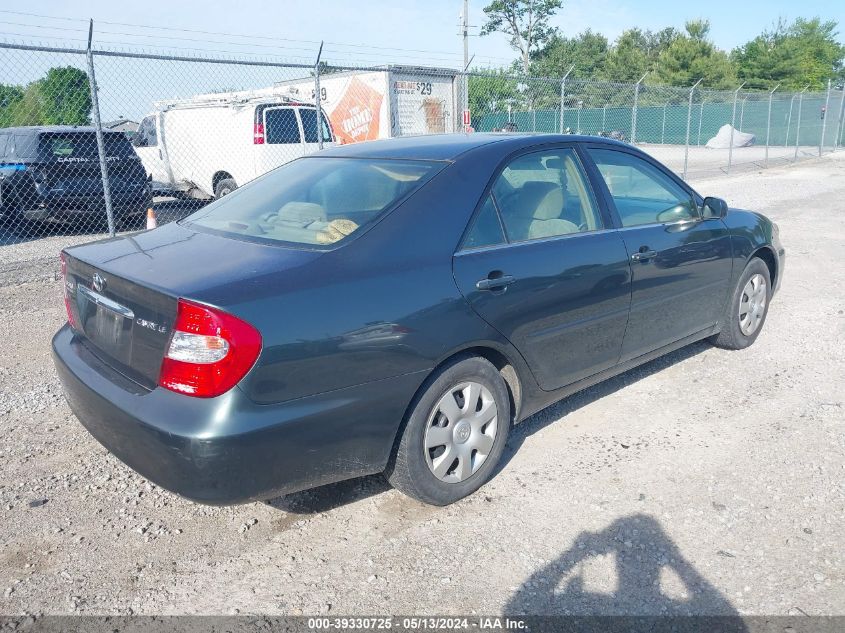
x,y
545,194
59,146
486,229
315,201
281,126
309,126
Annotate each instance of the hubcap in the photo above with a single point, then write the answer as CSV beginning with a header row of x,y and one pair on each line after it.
x,y
752,305
460,432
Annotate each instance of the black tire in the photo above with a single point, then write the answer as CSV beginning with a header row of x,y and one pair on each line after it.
x,y
225,187
409,471
15,223
732,336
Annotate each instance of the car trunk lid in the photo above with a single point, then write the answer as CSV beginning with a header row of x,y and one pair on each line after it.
x,y
124,291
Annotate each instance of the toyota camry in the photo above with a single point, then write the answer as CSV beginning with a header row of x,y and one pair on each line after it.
x,y
397,306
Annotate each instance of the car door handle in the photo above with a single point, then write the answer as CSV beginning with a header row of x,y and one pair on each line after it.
x,y
642,256
495,283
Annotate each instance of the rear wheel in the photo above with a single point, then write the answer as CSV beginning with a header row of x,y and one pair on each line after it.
x,y
747,310
454,435
225,187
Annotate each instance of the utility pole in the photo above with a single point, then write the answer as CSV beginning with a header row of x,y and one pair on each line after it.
x,y
465,34
465,31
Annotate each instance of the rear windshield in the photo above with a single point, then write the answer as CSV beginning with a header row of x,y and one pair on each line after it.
x,y
315,201
82,145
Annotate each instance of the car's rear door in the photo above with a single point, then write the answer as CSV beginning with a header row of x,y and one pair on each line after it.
x,y
681,263
540,263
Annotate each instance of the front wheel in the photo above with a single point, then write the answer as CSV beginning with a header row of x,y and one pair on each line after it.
x,y
454,435
225,187
746,313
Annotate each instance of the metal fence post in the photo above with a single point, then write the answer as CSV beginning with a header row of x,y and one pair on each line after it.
x,y
742,112
700,119
562,94
634,110
769,123
798,125
789,120
838,138
101,146
689,122
733,122
824,119
604,118
317,98
663,129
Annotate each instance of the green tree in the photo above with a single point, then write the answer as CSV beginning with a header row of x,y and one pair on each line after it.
x,y
10,101
587,52
491,91
525,22
65,97
805,52
692,56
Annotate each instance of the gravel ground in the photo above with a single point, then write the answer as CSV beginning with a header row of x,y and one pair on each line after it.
x,y
704,482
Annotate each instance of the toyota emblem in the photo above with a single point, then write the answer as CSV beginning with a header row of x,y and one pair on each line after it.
x,y
98,282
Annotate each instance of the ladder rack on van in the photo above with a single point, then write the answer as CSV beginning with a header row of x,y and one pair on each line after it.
x,y
234,100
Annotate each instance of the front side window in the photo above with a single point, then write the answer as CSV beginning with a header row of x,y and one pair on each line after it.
x,y
315,201
281,126
642,193
309,126
545,194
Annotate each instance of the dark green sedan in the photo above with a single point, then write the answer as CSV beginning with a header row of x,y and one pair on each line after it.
x,y
396,306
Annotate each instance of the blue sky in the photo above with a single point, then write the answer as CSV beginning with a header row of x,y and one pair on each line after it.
x,y
373,31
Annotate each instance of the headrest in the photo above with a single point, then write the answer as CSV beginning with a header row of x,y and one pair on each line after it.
x,y
551,206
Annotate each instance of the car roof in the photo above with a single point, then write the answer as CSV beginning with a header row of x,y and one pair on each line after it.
x,y
63,129
449,147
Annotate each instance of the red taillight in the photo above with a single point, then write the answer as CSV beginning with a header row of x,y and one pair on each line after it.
x,y
258,134
71,317
209,351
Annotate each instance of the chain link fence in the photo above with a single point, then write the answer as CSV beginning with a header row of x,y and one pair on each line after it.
x,y
94,142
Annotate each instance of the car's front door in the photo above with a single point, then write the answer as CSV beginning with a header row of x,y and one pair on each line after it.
x,y
539,264
681,262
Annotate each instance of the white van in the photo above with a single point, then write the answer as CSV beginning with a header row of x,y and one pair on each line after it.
x,y
211,144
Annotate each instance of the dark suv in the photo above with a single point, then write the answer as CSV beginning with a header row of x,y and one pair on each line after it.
x,y
53,173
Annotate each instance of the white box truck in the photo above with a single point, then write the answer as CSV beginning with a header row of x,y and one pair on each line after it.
x,y
208,145
383,103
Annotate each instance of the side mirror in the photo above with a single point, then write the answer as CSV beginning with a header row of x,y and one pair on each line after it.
x,y
714,208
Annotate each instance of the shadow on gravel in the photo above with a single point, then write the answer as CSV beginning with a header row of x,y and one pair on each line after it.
x,y
331,496
564,407
652,578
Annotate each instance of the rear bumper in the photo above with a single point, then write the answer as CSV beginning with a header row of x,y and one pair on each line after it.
x,y
229,450
45,207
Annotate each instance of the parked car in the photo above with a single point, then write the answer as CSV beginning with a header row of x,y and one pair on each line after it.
x,y
53,173
207,146
395,307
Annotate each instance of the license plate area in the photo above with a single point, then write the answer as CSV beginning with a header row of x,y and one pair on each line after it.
x,y
107,324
